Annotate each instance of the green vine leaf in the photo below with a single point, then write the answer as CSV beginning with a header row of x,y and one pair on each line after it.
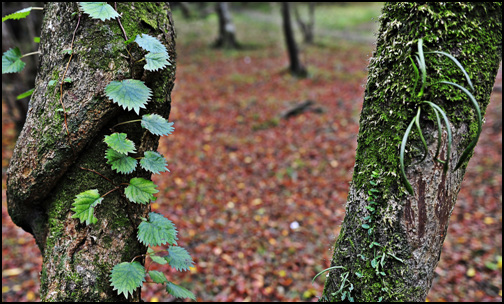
x,y
120,143
158,230
156,61
151,44
158,277
155,258
18,15
179,258
25,94
154,162
179,291
157,125
120,162
84,205
140,190
99,10
126,277
129,94
11,61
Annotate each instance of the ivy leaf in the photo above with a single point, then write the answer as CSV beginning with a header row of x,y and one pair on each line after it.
x,y
179,291
179,258
156,61
158,230
158,276
140,190
120,162
99,10
126,277
120,143
84,205
151,44
157,125
11,61
153,162
129,94
18,15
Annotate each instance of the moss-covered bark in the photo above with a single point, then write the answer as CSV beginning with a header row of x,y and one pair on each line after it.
x,y
410,230
46,172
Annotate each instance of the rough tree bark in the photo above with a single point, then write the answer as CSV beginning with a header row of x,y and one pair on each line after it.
x,y
227,30
45,173
296,68
412,228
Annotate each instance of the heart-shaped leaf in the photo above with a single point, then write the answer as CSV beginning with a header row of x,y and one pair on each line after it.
x,y
99,10
11,61
153,162
126,277
140,190
157,125
120,143
120,162
84,205
129,94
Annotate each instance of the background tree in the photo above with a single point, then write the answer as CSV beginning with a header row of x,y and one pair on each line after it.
x,y
307,28
296,66
397,258
20,34
227,30
57,156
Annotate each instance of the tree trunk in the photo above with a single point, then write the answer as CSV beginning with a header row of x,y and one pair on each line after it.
x,y
49,167
308,26
296,67
227,31
397,259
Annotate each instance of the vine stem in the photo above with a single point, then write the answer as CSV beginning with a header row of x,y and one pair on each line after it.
x,y
32,53
120,25
126,122
100,175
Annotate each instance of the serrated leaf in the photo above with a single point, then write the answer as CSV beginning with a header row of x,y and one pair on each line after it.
x,y
157,125
120,162
154,257
11,61
18,15
126,277
154,162
156,61
179,258
99,10
129,94
140,190
84,205
158,230
158,276
25,94
120,143
179,291
151,44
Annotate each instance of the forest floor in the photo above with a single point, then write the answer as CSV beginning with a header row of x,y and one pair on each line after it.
x,y
258,200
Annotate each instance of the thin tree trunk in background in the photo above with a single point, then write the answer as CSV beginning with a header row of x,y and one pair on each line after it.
x,y
306,27
227,30
397,259
295,67
46,170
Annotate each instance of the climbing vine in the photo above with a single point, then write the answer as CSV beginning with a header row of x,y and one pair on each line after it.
x,y
121,155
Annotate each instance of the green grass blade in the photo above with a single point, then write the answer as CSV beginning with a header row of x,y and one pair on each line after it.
x,y
440,133
478,113
417,123
422,65
417,75
327,269
458,65
401,157
448,130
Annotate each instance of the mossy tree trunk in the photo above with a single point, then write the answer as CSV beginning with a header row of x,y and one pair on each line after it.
x,y
410,229
49,167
